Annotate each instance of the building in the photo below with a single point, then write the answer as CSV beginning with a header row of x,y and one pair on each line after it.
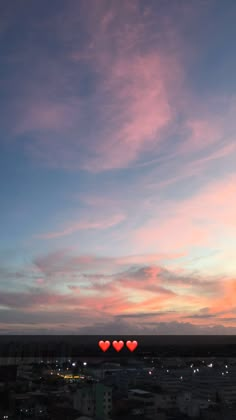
x,y
214,384
94,400
145,400
192,407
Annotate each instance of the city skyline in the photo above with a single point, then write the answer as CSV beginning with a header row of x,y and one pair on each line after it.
x,y
117,161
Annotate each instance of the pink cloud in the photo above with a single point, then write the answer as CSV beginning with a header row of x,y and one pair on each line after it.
x,y
147,258
67,262
141,106
46,116
208,127
135,113
195,221
150,290
163,234
130,103
138,91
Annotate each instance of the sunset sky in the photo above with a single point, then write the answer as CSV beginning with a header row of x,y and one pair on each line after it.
x,y
118,166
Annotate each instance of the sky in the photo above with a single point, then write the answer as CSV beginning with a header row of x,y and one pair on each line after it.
x,y
118,167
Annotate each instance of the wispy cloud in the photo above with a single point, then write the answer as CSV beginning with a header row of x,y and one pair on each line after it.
x,y
84,225
195,221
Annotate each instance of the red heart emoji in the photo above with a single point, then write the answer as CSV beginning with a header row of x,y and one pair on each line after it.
x,y
131,345
118,345
104,345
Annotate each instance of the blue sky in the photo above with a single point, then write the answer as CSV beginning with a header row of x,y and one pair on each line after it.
x,y
117,166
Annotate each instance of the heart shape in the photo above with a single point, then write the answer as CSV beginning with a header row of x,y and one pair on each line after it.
x,y
104,345
131,345
118,345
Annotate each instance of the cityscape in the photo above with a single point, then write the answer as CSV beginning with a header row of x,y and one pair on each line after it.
x,y
110,388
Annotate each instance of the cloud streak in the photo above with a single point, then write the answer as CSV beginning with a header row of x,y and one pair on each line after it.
x,y
84,225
